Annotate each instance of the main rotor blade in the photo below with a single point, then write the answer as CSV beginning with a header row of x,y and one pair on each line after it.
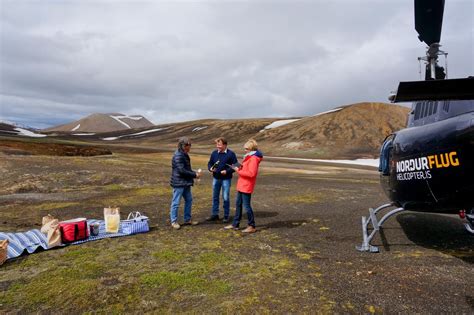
x,y
435,90
429,20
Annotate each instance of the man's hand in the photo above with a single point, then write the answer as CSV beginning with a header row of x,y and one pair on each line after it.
x,y
223,172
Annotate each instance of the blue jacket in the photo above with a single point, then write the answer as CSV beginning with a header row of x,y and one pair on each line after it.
x,y
182,175
224,159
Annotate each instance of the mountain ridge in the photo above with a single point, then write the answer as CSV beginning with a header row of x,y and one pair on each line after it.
x,y
345,132
99,122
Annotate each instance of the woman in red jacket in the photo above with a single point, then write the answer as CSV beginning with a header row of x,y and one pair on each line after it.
x,y
245,185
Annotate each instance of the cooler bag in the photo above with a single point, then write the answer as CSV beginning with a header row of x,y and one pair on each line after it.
x,y
73,230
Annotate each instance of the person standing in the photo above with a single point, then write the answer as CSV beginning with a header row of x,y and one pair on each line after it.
x,y
247,172
220,165
182,178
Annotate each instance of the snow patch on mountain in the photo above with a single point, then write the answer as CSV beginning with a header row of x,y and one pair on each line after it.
x,y
118,118
329,111
134,134
24,132
279,123
199,128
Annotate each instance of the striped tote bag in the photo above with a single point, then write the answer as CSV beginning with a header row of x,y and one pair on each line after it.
x,y
135,223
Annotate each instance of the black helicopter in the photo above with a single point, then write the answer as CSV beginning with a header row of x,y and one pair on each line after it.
x,y
429,166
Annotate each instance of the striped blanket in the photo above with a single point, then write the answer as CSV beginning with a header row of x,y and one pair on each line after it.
x,y
31,240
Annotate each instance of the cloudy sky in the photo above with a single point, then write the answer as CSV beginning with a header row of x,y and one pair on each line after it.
x,y
183,60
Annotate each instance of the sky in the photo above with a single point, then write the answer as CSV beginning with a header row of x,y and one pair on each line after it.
x,y
183,60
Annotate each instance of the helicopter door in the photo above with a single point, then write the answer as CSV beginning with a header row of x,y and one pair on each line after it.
x,y
385,155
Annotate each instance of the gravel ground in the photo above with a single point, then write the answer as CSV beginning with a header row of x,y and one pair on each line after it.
x,y
301,260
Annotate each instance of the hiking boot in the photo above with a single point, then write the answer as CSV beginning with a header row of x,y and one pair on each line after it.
x,y
175,225
213,218
249,229
230,227
225,220
191,223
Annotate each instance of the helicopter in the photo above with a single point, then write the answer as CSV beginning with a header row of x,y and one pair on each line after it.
x,y
428,166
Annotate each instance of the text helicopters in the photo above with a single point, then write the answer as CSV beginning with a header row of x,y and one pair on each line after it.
x,y
429,166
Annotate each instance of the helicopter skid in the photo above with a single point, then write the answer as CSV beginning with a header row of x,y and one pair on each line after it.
x,y
376,225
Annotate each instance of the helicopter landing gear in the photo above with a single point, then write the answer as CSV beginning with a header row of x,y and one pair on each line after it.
x,y
470,221
376,225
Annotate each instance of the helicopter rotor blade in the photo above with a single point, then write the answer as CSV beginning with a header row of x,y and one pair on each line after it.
x,y
429,20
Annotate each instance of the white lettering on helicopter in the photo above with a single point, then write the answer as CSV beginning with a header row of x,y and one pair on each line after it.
x,y
419,168
414,175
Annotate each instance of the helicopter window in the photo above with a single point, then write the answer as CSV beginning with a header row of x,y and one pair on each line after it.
x,y
435,107
429,109
446,106
417,111
425,110
384,165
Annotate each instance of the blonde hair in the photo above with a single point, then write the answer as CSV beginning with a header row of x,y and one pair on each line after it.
x,y
251,144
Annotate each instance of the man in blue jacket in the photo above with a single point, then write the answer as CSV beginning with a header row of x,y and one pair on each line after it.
x,y
219,165
182,178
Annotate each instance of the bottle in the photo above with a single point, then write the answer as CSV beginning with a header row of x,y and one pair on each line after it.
x,y
199,179
214,166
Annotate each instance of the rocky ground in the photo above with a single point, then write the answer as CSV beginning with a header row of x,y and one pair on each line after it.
x,y
301,260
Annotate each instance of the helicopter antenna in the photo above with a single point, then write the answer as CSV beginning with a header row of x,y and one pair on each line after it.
x,y
428,24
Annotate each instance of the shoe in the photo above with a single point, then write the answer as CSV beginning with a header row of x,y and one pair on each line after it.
x,y
230,227
249,229
191,223
175,225
213,218
225,220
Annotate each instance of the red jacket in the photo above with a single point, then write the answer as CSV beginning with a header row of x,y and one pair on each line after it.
x,y
248,172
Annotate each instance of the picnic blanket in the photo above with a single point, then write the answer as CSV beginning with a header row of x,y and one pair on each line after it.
x,y
31,240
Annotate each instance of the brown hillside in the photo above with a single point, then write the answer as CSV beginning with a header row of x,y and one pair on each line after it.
x,y
103,123
355,131
202,132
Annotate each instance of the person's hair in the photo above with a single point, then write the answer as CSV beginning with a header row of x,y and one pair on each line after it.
x,y
182,142
221,139
251,144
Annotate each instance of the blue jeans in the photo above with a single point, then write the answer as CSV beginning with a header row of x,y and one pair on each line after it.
x,y
179,192
217,184
243,198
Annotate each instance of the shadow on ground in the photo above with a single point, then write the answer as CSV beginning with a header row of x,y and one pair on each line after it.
x,y
283,224
440,232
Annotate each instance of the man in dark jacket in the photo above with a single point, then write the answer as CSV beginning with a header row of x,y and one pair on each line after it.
x,y
220,166
182,178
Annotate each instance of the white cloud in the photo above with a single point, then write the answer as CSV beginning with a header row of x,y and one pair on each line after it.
x,y
172,61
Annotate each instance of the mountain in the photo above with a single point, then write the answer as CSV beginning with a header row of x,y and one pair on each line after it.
x,y
8,129
346,132
353,131
103,123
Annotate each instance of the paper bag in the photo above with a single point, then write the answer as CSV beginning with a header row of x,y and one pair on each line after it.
x,y
51,228
112,219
